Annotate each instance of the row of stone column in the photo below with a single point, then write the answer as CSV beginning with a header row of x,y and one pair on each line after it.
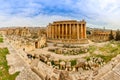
x,y
66,31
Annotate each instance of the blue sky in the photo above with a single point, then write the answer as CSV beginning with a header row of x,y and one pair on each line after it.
x,y
97,13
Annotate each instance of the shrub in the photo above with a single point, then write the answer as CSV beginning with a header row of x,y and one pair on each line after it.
x,y
73,62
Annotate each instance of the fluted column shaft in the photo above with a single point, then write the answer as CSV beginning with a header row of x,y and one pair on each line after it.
x,y
78,32
70,31
59,31
52,31
66,26
62,31
81,31
47,32
85,30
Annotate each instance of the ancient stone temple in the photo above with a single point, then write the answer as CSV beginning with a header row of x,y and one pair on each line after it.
x,y
67,31
101,35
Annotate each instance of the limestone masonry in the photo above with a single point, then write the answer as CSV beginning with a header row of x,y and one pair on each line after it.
x,y
67,31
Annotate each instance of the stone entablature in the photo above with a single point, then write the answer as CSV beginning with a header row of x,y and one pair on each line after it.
x,y
67,30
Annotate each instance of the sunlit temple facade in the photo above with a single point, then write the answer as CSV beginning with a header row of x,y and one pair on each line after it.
x,y
67,31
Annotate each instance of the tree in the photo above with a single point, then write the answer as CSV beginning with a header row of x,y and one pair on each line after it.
x,y
111,37
88,32
117,38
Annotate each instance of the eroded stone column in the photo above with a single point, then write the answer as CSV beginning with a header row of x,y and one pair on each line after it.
x,y
52,31
70,31
76,35
85,30
66,26
55,31
81,31
59,31
72,28
62,31
78,32
48,32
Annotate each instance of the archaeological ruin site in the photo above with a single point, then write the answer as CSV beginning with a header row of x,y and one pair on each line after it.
x,y
63,50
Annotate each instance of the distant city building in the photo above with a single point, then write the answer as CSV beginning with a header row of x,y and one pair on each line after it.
x,y
67,31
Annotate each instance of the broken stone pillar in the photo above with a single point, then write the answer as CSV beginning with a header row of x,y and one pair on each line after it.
x,y
49,63
68,66
62,65
74,69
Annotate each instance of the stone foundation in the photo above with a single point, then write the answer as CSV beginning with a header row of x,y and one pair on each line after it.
x,y
72,41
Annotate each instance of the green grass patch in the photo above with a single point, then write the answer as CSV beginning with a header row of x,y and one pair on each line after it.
x,y
4,74
92,49
108,51
110,48
87,58
73,62
106,48
1,39
106,58
1,35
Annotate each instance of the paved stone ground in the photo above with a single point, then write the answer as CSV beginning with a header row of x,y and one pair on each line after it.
x,y
110,71
17,63
27,74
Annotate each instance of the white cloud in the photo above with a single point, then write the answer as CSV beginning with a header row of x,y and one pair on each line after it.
x,y
97,12
104,13
40,20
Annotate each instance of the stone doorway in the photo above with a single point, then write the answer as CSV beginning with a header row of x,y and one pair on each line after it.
x,y
36,44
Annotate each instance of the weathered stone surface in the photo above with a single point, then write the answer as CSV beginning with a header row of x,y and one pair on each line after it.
x,y
110,71
18,64
58,31
64,75
100,35
111,76
34,63
27,74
